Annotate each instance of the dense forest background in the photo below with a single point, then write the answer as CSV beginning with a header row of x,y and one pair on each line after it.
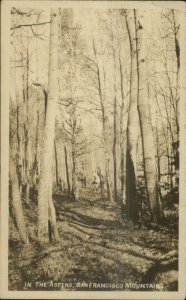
x,y
94,146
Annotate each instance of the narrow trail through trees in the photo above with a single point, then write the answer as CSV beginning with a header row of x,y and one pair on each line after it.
x,y
95,247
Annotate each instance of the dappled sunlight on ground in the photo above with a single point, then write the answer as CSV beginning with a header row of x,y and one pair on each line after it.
x,y
95,247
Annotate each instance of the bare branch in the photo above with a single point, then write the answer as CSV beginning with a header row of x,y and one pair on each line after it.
x,y
15,11
29,25
36,34
91,60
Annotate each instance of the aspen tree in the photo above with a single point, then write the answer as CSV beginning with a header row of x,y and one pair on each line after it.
x,y
148,146
45,191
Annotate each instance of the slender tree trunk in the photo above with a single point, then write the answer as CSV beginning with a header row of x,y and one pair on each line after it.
x,y
36,162
19,154
132,125
73,172
52,215
114,152
26,129
26,164
108,181
107,159
177,51
18,135
104,126
56,161
122,139
49,132
145,121
75,189
36,145
16,201
158,159
67,173
122,170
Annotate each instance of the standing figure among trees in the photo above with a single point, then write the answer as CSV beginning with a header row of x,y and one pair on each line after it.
x,y
107,79
93,147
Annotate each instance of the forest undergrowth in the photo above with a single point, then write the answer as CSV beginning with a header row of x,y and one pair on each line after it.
x,y
95,247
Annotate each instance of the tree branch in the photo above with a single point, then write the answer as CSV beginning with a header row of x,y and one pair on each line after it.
x,y
36,34
19,12
29,25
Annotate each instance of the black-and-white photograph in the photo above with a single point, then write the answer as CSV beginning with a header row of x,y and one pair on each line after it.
x,y
94,148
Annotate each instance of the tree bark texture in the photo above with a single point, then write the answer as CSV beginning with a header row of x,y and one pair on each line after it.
x,y
114,150
56,161
67,172
132,125
16,201
177,52
52,215
145,120
122,136
75,192
104,125
49,131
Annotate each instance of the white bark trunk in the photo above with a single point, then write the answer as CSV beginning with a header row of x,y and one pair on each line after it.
x,y
145,120
52,215
49,130
16,201
132,125
133,118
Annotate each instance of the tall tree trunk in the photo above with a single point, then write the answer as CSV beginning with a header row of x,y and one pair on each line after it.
x,y
132,125
104,126
67,173
158,155
19,154
114,152
114,148
49,131
122,139
36,162
26,129
177,52
56,161
145,121
16,201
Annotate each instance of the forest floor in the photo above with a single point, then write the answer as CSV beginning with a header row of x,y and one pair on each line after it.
x,y
96,248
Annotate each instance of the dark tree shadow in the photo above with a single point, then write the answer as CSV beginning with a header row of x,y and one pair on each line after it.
x,y
161,267
87,221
